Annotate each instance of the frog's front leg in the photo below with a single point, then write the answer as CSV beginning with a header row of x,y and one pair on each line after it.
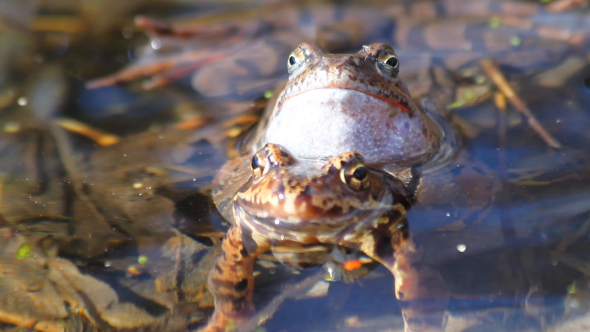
x,y
422,292
231,280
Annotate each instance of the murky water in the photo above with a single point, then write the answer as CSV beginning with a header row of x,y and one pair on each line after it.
x,y
104,188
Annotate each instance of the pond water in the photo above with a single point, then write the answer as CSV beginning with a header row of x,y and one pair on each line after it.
x,y
115,118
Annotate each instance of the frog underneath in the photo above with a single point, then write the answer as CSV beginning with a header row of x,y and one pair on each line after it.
x,y
288,203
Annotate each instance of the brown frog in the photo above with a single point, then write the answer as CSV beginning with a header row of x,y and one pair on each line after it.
x,y
357,199
344,202
335,103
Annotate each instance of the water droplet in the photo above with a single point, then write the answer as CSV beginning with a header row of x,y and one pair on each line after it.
x,y
142,259
515,40
22,101
156,44
461,247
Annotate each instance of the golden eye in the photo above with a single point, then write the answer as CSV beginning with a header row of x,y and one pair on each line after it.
x,y
388,63
296,59
360,173
356,176
258,165
392,61
272,156
292,60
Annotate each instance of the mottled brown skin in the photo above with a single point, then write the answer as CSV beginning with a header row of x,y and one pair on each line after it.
x,y
287,202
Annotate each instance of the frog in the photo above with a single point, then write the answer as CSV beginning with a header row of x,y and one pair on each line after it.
x,y
421,196
278,197
336,103
335,97
290,202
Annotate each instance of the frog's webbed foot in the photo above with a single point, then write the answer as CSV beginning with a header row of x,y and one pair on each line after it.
x,y
231,280
422,292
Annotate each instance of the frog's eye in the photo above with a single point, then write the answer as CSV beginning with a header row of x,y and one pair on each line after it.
x,y
295,60
258,165
388,64
356,176
392,61
360,173
292,60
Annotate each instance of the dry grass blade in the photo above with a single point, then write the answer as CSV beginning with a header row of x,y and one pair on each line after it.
x,y
101,138
563,5
498,78
575,263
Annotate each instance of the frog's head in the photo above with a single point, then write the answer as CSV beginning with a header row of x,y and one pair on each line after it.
x,y
296,192
372,71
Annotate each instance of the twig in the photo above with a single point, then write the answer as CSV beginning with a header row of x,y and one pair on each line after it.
x,y
101,138
575,263
568,240
494,73
65,153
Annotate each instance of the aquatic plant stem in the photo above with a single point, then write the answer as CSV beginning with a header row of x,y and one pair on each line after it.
x,y
498,78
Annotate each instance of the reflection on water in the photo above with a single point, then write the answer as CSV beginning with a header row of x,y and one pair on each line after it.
x,y
106,217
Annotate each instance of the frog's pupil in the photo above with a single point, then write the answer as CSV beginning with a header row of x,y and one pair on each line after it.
x,y
392,61
360,173
292,60
255,162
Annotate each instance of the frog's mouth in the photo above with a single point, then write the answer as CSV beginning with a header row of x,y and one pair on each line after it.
x,y
402,107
